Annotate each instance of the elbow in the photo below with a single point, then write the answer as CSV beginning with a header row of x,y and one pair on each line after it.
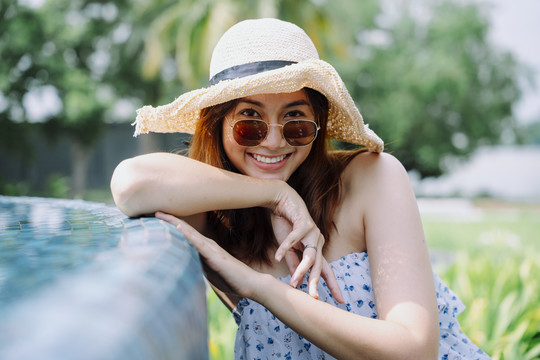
x,y
428,348
432,351
125,186
418,345
428,352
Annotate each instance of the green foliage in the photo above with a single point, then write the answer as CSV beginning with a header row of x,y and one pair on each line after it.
x,y
503,296
86,55
57,186
54,46
431,84
14,189
187,31
423,72
495,270
222,329
498,229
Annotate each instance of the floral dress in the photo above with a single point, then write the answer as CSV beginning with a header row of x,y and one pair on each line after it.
x,y
262,336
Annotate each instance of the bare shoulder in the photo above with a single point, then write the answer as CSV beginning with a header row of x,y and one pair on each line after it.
x,y
374,182
374,170
374,186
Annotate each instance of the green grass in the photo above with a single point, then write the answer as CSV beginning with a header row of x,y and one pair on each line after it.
x,y
502,294
494,227
222,329
494,268
496,273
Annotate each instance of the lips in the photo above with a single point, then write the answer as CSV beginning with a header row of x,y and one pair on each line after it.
x,y
269,159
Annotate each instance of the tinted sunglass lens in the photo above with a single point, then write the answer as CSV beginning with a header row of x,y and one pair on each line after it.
x,y
300,133
250,132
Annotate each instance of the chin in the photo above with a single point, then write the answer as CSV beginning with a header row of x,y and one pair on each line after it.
x,y
269,176
272,177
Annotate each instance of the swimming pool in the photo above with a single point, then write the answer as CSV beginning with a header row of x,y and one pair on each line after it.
x,y
80,280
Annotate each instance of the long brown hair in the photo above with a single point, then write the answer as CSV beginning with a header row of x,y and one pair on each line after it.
x,y
247,233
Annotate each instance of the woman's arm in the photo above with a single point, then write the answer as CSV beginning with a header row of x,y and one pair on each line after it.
x,y
400,269
407,327
182,186
399,260
185,187
340,333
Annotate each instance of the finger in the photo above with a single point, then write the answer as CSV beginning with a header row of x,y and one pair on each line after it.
x,y
167,217
205,246
308,259
229,274
294,237
286,246
292,259
192,235
314,276
329,277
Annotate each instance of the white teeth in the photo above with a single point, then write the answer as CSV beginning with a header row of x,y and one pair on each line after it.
x,y
268,160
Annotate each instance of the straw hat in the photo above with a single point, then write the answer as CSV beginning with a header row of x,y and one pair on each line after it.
x,y
264,56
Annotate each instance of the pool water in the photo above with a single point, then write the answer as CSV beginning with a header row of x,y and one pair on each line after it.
x,y
81,280
43,239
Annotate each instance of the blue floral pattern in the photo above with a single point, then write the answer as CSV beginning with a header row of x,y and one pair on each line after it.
x,y
262,336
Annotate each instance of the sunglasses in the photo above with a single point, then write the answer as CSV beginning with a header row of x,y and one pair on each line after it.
x,y
253,132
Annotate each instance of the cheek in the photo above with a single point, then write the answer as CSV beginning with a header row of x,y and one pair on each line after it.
x,y
300,157
304,153
233,151
226,139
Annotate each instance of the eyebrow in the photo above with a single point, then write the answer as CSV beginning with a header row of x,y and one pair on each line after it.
x,y
289,105
297,103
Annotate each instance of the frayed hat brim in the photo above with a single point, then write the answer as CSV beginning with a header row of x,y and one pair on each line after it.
x,y
345,122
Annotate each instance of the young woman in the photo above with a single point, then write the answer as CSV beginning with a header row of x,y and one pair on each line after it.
x,y
260,185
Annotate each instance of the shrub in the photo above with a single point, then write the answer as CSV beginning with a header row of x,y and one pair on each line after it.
x,y
502,292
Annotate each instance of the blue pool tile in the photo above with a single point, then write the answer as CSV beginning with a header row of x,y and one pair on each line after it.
x,y
61,256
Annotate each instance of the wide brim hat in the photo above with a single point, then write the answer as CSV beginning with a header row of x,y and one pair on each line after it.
x,y
264,56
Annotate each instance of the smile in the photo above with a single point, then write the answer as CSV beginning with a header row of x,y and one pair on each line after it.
x,y
268,160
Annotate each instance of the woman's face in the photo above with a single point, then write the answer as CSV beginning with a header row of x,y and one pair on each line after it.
x,y
273,158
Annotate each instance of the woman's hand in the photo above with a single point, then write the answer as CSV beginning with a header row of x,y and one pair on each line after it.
x,y
296,233
241,280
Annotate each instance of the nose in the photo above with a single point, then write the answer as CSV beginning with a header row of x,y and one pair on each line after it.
x,y
274,139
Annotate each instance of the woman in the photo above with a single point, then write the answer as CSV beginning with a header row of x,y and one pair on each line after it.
x,y
261,182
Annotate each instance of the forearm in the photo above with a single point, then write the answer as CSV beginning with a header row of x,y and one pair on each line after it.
x,y
343,334
183,186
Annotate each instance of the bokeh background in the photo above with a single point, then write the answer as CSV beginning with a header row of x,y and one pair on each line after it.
x,y
450,86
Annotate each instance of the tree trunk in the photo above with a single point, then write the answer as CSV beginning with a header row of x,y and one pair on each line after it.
x,y
80,156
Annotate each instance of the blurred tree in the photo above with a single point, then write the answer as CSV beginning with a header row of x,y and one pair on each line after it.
x,y
54,58
71,67
186,32
14,131
430,83
423,73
